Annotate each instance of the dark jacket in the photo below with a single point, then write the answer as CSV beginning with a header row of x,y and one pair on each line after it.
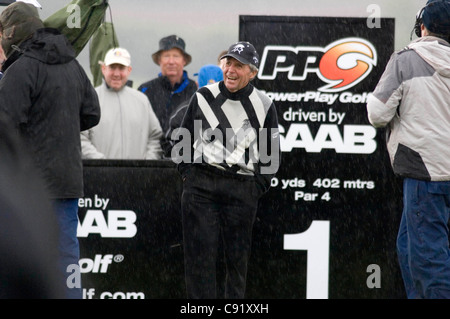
x,y
28,226
165,99
49,99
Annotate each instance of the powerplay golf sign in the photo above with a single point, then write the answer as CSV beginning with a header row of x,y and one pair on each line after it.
x,y
333,188
341,64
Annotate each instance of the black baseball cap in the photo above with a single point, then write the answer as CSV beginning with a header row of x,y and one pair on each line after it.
x,y
170,42
244,52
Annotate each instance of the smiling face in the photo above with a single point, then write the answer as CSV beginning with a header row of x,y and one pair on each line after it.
x,y
236,75
116,75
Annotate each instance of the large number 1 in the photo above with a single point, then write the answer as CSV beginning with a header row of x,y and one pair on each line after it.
x,y
316,241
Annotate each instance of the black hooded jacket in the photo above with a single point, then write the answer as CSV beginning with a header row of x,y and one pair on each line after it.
x,y
49,99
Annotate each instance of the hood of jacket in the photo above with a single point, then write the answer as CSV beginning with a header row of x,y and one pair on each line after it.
x,y
49,46
435,51
18,22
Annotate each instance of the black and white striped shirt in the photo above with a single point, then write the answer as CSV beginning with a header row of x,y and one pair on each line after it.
x,y
236,132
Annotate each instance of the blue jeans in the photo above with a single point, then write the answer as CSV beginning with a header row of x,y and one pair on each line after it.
x,y
423,242
69,248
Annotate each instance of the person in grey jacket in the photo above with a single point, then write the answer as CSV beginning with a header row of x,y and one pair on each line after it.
x,y
412,99
129,129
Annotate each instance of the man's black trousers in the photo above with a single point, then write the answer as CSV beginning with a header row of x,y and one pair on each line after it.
x,y
217,204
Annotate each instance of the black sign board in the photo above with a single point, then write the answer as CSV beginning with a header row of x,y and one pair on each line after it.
x,y
328,226
335,204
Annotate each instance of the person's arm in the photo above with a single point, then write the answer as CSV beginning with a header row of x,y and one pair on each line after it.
x,y
90,107
88,149
16,92
154,150
269,150
183,138
174,122
383,103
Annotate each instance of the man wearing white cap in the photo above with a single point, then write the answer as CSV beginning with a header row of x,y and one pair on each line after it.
x,y
128,129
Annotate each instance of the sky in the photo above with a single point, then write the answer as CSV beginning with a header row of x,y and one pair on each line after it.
x,y
209,27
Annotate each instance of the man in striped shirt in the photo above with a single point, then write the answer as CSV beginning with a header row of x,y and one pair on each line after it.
x,y
227,155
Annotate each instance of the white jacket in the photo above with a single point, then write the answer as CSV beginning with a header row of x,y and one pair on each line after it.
x,y
412,99
128,127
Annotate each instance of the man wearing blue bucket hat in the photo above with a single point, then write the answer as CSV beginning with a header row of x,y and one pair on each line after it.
x,y
412,101
172,86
